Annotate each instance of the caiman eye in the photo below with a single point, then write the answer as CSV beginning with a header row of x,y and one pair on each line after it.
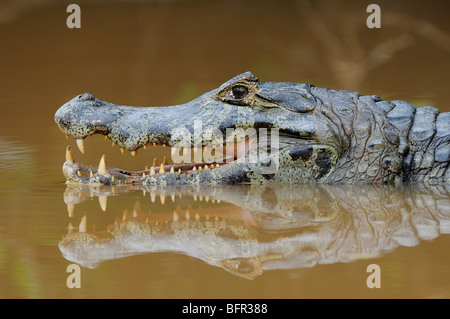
x,y
239,91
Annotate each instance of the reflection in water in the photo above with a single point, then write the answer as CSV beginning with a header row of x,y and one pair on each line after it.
x,y
16,159
13,156
249,229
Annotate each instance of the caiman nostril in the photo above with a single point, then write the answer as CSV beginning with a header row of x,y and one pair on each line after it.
x,y
86,97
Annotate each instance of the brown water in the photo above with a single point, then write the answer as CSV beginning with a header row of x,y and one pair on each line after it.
x,y
296,242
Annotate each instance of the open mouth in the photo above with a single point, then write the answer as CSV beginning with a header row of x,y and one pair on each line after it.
x,y
187,161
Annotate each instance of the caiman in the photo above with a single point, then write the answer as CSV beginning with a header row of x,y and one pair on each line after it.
x,y
303,134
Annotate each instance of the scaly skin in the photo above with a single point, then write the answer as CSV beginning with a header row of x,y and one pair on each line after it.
x,y
325,136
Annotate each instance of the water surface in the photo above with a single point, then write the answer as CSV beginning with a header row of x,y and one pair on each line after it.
x,y
297,241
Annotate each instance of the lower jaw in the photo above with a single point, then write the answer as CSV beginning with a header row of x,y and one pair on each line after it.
x,y
163,174
157,174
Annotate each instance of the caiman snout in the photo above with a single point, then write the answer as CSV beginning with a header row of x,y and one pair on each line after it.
x,y
85,115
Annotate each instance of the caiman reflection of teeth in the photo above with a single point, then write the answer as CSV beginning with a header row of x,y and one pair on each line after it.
x,y
103,200
178,215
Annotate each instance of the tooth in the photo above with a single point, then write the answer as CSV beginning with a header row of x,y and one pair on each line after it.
x,y
172,196
143,175
206,198
200,168
187,215
194,169
70,209
206,167
175,216
145,147
152,171
112,178
103,201
91,173
69,155
80,144
161,169
197,217
172,171
165,161
122,150
106,138
146,168
217,165
155,162
212,166
113,144
125,215
102,166
79,173
134,153
152,197
162,197
164,145
179,171
82,227
67,137
70,228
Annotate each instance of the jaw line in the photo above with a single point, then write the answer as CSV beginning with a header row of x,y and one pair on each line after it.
x,y
83,174
76,172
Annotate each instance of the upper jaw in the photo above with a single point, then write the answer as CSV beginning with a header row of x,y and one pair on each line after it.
x,y
128,127
140,133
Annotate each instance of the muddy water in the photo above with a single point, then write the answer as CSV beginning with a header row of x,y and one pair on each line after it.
x,y
262,242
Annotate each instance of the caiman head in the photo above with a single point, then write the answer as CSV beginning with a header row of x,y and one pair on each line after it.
x,y
245,131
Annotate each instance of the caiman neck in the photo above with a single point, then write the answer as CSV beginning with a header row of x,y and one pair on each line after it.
x,y
425,144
